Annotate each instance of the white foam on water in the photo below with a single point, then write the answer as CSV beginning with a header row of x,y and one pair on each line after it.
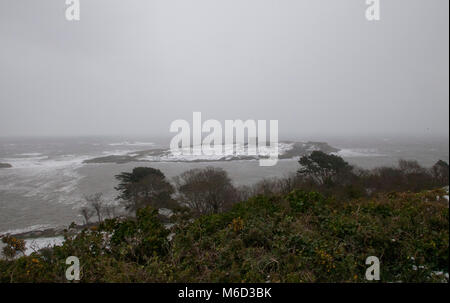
x,y
27,162
47,179
44,161
118,152
350,153
127,143
30,154
38,227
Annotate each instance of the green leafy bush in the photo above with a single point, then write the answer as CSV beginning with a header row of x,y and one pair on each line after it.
x,y
298,237
302,201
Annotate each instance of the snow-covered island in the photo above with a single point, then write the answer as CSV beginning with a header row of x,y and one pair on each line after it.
x,y
232,152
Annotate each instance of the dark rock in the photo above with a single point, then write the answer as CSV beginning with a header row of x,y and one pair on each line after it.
x,y
112,159
5,165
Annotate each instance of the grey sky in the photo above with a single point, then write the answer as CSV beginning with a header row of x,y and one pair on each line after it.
x,y
132,67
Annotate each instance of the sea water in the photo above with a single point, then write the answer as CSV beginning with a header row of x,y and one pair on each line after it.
x,y
45,187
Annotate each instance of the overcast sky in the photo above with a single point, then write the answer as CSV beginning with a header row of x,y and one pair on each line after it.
x,y
132,67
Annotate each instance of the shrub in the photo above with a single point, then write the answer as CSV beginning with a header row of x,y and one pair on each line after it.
x,y
302,201
299,237
13,246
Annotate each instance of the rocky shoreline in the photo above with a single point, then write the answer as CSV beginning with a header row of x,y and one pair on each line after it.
x,y
50,232
164,216
5,165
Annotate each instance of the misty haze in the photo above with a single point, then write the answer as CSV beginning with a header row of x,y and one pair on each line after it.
x,y
362,111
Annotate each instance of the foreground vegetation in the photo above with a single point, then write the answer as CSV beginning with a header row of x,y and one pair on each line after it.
x,y
300,237
319,226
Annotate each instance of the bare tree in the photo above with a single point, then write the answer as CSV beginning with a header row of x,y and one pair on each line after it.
x,y
207,190
440,172
87,214
244,192
110,211
267,187
287,184
410,167
96,202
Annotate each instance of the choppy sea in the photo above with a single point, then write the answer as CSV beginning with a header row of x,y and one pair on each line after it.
x,y
45,187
